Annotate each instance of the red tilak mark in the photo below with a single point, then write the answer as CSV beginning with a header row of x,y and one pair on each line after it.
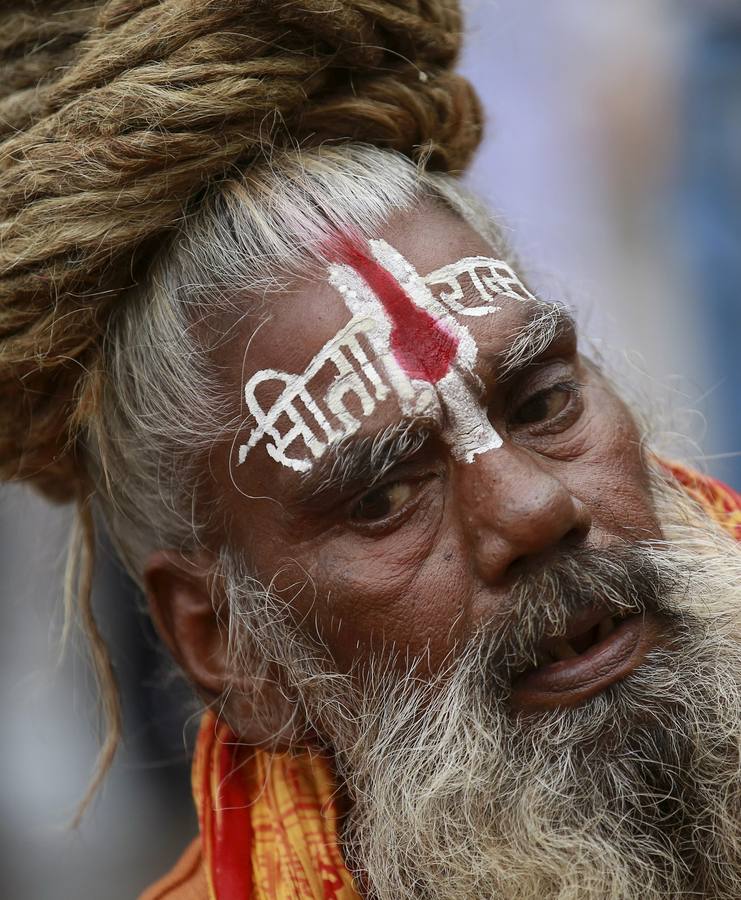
x,y
422,345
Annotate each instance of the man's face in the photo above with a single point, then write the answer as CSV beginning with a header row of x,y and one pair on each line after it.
x,y
523,656
397,542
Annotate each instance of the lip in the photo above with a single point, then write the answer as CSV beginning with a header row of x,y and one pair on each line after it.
x,y
569,682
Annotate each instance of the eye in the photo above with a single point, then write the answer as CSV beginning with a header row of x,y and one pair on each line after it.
x,y
382,502
545,405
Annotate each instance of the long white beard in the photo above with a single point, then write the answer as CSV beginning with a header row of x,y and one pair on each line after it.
x,y
634,794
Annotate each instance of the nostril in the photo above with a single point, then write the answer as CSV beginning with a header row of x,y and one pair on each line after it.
x,y
576,535
518,567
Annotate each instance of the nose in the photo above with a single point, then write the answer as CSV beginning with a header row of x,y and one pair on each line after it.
x,y
517,511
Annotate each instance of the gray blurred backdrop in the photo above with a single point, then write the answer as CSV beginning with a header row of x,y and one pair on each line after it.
x,y
613,155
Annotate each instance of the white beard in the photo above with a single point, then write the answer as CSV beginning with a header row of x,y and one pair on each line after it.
x,y
636,793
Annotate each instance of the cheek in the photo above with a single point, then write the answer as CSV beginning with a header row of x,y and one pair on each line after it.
x,y
396,597
611,475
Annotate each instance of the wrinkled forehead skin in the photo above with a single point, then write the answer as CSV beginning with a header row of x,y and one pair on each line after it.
x,y
425,583
299,331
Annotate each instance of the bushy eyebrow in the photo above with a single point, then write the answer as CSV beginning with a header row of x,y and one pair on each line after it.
x,y
364,461
549,323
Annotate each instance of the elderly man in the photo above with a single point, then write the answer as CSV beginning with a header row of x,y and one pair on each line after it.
x,y
460,633
457,631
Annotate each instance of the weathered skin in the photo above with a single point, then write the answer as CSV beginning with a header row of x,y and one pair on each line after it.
x,y
424,578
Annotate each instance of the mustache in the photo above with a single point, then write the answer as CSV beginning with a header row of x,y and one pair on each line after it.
x,y
619,581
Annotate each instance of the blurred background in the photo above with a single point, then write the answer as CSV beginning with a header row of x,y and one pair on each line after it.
x,y
613,155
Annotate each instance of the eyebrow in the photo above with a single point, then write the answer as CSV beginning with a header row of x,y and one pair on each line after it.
x,y
549,323
365,460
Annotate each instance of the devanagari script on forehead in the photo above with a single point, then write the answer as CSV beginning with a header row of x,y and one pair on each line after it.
x,y
350,383
489,278
353,374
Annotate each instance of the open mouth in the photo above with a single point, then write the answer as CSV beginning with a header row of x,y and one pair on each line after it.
x,y
597,650
560,648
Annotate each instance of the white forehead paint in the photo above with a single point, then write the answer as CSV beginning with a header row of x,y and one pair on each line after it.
x,y
344,354
489,277
296,417
468,430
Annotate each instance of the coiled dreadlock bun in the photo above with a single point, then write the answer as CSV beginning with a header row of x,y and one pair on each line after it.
x,y
115,116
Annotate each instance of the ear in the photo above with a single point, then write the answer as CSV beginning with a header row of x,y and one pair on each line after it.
x,y
189,611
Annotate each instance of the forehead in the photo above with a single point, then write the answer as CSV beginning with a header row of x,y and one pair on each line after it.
x,y
310,331
298,323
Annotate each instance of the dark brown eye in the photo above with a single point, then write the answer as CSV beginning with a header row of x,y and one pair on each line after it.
x,y
382,502
544,406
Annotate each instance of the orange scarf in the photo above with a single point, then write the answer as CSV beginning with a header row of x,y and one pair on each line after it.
x,y
269,821
721,502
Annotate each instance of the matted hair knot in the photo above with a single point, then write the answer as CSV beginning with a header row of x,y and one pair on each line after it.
x,y
113,118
